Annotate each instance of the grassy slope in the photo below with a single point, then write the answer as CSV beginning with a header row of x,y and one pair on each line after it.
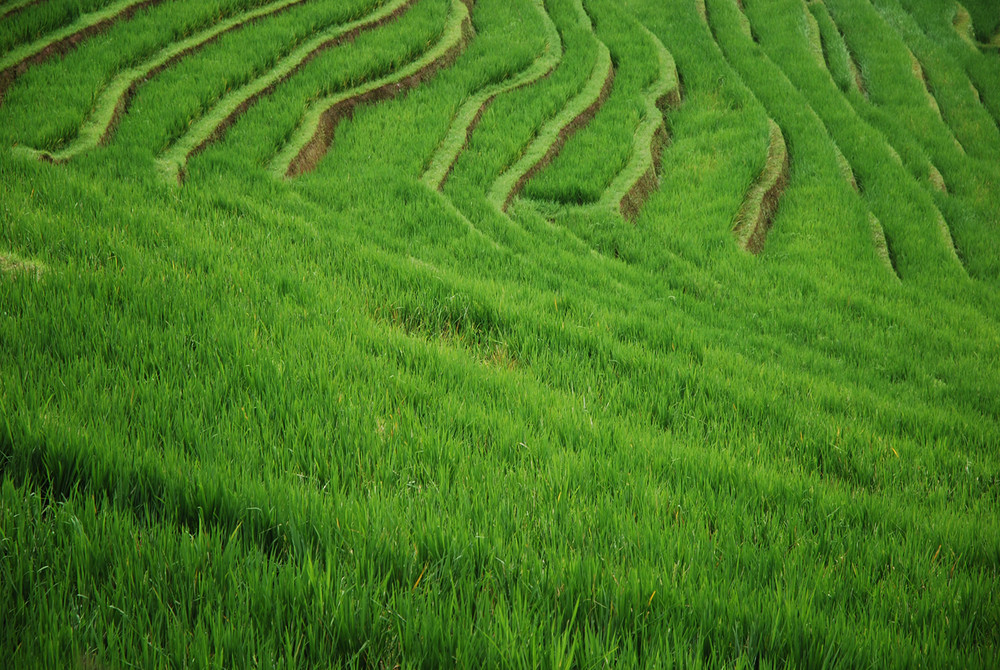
x,y
346,417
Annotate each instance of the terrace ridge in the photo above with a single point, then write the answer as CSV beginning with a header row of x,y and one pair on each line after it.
x,y
857,78
962,22
814,35
760,205
882,249
213,125
631,188
63,40
553,135
116,96
315,134
16,7
467,118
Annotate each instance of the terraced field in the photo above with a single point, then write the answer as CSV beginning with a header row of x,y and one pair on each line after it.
x,y
506,333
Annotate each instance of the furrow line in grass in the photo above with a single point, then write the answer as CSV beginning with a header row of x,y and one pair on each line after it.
x,y
965,117
835,55
761,202
979,98
845,167
918,72
843,164
882,249
937,180
857,79
949,241
16,7
814,35
470,113
934,176
879,241
631,188
553,135
213,125
962,21
756,213
745,21
114,99
315,134
702,10
934,211
17,62
899,128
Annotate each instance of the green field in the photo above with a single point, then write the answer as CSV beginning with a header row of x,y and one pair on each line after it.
x,y
500,333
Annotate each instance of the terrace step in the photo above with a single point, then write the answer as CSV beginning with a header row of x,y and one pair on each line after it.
x,y
17,62
761,202
471,111
315,134
554,134
962,21
213,125
8,10
114,99
640,178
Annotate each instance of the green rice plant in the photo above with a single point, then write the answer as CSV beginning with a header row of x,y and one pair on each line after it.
x,y
84,72
759,206
908,115
813,33
513,120
963,24
984,17
971,115
349,420
632,186
257,135
840,60
934,22
890,165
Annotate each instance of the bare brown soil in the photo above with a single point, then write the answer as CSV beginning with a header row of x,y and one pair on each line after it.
x,y
15,10
632,202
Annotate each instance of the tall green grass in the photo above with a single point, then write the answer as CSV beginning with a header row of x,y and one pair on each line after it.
x,y
339,421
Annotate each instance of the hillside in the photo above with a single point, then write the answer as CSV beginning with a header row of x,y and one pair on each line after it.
x,y
502,333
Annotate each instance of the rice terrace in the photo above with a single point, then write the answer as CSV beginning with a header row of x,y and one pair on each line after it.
x,y
500,333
